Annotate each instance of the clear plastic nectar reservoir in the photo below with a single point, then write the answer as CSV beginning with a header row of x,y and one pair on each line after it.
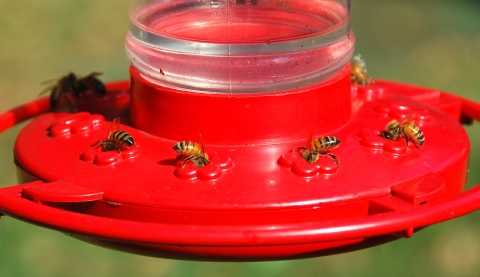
x,y
239,46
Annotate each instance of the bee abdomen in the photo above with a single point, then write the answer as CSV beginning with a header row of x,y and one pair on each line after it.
x,y
187,148
420,138
123,138
325,143
415,133
96,85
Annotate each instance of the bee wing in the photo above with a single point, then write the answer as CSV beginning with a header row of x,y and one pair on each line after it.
x,y
91,75
359,60
309,141
45,90
49,81
52,82
91,82
409,117
201,143
114,127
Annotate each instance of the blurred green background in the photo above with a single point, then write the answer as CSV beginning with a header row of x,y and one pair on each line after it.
x,y
430,43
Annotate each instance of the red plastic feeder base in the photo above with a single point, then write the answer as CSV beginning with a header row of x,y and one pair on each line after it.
x,y
258,199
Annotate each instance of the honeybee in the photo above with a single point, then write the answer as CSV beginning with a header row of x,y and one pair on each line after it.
x,y
72,85
319,147
192,152
404,129
116,139
358,71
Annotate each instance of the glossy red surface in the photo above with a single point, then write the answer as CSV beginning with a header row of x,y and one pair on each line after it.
x,y
258,200
241,119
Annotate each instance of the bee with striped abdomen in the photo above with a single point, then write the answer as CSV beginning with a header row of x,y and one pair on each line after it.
x,y
74,86
358,71
192,152
116,139
89,82
318,147
404,129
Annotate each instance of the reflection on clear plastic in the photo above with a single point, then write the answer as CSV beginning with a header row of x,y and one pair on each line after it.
x,y
239,46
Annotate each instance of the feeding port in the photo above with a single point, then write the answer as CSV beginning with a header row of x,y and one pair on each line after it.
x,y
229,163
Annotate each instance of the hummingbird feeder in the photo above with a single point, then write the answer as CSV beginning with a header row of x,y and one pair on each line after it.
x,y
252,93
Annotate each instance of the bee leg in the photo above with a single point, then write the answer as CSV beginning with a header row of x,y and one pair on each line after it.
x,y
187,159
301,148
101,144
334,158
405,136
206,161
302,152
183,164
119,152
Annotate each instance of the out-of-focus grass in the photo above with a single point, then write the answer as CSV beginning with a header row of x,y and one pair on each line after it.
x,y
429,43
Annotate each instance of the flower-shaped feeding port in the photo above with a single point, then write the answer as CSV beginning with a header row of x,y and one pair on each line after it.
x,y
400,114
76,124
372,139
117,141
293,160
397,110
96,155
370,92
211,171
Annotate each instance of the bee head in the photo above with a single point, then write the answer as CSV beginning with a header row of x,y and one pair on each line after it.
x,y
386,134
71,77
310,156
201,161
